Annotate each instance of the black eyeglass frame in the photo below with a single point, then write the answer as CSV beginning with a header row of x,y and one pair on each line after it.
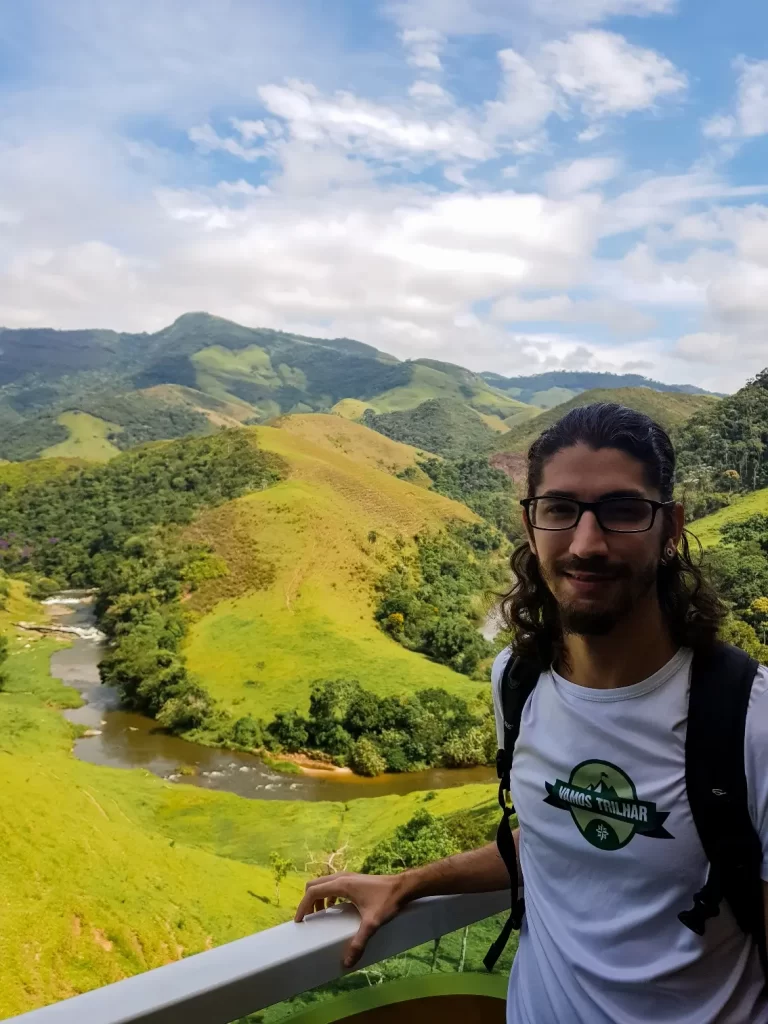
x,y
593,507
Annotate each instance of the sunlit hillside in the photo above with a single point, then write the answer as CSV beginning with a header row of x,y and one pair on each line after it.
x,y
88,438
107,872
297,605
669,408
707,529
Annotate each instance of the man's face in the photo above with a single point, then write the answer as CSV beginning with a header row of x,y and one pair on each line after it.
x,y
596,577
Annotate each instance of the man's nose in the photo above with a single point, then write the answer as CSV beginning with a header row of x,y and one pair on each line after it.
x,y
588,538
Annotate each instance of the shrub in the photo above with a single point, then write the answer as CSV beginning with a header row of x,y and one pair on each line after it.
x,y
421,840
288,731
365,758
248,733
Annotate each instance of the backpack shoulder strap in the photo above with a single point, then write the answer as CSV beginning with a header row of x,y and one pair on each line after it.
x,y
721,683
517,683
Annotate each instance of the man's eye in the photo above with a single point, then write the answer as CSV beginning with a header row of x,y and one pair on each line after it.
x,y
563,509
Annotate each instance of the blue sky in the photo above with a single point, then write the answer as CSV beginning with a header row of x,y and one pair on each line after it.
x,y
513,185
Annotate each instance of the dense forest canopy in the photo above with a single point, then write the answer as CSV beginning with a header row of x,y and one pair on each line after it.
x,y
722,448
114,527
442,426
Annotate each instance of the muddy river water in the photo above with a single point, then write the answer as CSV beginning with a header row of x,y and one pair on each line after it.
x,y
125,739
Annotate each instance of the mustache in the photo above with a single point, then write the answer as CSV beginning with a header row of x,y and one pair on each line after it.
x,y
598,566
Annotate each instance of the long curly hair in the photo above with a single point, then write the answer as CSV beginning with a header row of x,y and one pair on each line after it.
x,y
691,609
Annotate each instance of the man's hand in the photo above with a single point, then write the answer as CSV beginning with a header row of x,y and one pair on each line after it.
x,y
378,898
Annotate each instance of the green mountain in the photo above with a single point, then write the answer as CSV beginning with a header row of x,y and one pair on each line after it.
x,y
670,409
549,389
202,372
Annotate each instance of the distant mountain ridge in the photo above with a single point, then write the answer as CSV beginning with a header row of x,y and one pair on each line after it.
x,y
535,388
202,372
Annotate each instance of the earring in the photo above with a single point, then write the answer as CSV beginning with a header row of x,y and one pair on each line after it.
x,y
669,553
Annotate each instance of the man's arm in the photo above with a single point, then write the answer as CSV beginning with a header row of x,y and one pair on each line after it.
x,y
765,910
379,898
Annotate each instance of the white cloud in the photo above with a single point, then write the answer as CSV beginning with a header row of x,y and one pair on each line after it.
x,y
665,199
707,346
592,132
207,140
609,75
371,128
423,46
750,117
620,317
526,99
581,175
323,221
593,11
503,16
428,92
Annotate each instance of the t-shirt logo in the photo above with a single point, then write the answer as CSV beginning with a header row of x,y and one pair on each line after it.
x,y
604,805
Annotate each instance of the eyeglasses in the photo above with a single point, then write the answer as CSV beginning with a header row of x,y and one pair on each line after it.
x,y
615,515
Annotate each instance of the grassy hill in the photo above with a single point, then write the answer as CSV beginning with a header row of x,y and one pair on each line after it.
x,y
544,389
430,379
19,474
670,409
107,873
204,371
297,604
708,528
443,426
88,438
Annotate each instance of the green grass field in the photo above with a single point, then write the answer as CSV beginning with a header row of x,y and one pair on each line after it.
x,y
708,529
106,873
298,604
19,474
87,439
350,408
428,382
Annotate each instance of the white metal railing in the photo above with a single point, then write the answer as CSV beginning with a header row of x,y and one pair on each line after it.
x,y
241,977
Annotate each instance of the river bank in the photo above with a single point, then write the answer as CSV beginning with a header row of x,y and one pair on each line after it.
x,y
123,739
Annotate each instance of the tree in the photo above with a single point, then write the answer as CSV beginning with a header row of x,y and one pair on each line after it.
x,y
366,758
280,867
289,731
248,733
758,616
421,840
741,634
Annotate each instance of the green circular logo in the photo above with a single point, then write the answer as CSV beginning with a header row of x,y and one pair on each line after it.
x,y
603,803
611,785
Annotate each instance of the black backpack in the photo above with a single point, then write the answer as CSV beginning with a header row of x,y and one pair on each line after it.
x,y
721,683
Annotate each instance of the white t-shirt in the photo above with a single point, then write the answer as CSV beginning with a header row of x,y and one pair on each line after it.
x,y
601,942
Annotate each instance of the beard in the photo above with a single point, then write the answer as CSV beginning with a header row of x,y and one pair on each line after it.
x,y
583,618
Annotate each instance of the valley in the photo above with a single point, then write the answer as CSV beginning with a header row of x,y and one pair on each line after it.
x,y
295,547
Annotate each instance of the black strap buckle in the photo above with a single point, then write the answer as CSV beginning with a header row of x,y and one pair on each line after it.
x,y
704,907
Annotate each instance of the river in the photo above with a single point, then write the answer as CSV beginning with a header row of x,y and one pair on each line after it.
x,y
128,740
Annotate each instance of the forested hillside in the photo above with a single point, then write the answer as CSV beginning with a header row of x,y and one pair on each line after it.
x,y
440,426
346,514
222,561
723,447
542,389
203,371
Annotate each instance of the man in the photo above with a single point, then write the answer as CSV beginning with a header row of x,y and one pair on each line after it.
x,y
605,593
